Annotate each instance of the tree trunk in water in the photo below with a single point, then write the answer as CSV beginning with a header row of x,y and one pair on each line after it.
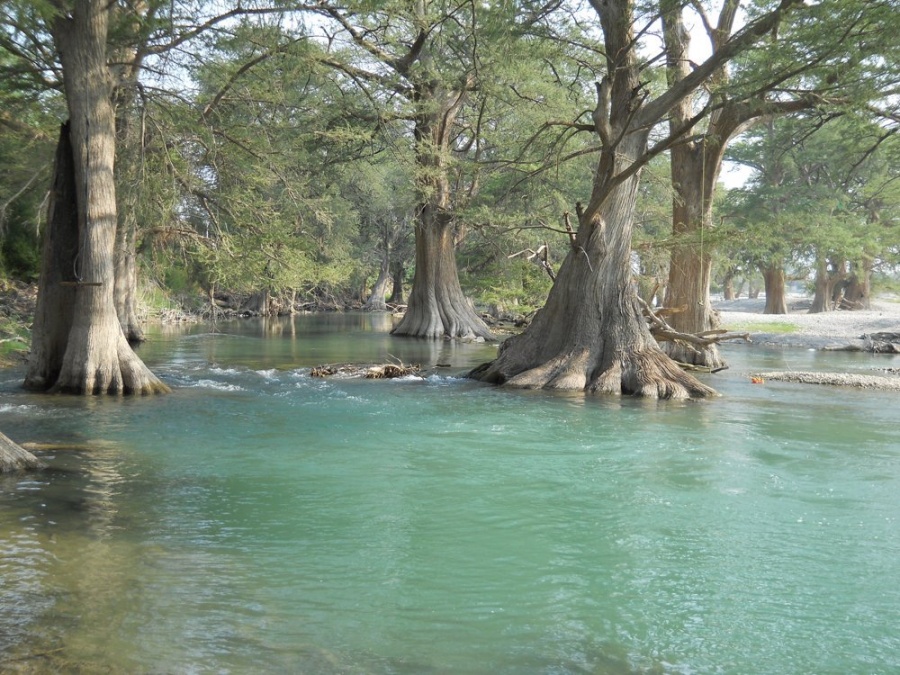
x,y
13,457
591,334
397,273
776,302
97,357
437,306
56,300
690,266
375,303
126,282
695,167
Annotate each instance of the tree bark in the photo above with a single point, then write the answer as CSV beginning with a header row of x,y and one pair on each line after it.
x,y
437,307
375,302
859,288
125,296
695,168
56,298
13,457
397,272
97,357
776,300
824,287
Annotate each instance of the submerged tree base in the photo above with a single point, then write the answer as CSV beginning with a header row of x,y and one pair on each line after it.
x,y
648,374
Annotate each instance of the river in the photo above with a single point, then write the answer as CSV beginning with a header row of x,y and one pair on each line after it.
x,y
259,520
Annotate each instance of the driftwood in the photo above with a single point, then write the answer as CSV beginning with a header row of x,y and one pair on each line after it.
x,y
882,343
663,332
385,371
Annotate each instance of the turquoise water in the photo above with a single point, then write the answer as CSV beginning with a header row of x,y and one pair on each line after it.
x,y
259,520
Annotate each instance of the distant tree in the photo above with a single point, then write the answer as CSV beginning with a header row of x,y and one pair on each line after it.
x,y
822,196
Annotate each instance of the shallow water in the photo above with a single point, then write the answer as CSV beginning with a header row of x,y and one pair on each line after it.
x,y
259,520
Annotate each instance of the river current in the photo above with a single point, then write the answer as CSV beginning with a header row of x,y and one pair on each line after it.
x,y
260,520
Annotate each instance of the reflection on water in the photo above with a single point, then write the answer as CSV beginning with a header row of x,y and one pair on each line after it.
x,y
258,520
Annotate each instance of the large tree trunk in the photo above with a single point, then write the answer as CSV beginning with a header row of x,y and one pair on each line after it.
x,y
591,334
694,173
97,357
776,300
376,303
56,299
437,307
695,167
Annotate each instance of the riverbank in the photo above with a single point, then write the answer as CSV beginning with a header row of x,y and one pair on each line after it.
x,y
838,330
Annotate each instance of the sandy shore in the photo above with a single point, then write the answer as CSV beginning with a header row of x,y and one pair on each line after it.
x,y
828,330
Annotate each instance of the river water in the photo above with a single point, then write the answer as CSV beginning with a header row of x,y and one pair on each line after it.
x,y
259,520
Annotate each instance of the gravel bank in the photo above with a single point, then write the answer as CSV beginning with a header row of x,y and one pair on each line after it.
x,y
838,330
827,330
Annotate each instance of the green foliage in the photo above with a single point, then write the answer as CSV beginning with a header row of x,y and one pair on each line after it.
x,y
820,193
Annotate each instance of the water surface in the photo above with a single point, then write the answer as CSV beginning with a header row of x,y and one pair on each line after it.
x,y
259,520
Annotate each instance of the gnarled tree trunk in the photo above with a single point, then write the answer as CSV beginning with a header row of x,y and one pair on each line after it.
x,y
591,334
97,357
